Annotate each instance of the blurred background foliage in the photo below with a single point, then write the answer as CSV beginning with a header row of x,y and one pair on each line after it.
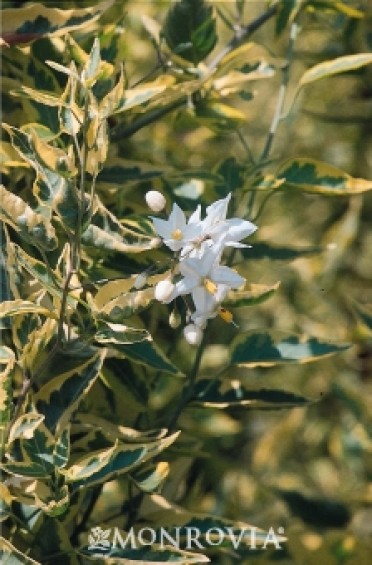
x,y
307,470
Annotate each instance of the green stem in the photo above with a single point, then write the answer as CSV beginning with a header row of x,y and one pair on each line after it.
x,y
188,389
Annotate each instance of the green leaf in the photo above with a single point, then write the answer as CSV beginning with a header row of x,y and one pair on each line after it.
x,y
335,66
60,397
35,21
31,226
285,13
106,232
225,394
190,29
317,177
108,333
318,512
7,363
363,313
61,451
149,480
123,171
20,307
262,349
255,294
10,555
148,353
104,465
218,116
32,455
263,250
144,556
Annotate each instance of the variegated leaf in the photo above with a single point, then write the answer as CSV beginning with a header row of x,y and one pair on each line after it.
x,y
60,397
30,225
317,177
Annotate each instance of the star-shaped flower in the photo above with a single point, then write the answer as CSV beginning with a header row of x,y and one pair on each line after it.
x,y
176,232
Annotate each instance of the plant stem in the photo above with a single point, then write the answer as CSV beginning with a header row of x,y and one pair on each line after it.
x,y
242,33
188,389
281,95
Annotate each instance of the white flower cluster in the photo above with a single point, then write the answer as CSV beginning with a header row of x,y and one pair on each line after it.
x,y
199,245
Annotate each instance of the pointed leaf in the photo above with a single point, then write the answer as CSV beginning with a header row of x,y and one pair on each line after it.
x,y
335,66
144,556
225,394
20,307
150,479
262,349
108,333
104,465
148,353
317,177
255,294
190,29
32,226
60,397
36,20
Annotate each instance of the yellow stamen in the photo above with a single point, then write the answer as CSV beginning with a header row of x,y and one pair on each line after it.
x,y
226,315
177,234
210,286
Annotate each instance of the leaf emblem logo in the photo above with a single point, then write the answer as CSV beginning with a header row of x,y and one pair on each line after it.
x,y
98,538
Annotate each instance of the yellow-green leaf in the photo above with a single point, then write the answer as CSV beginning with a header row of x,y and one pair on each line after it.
x,y
7,363
30,225
60,397
264,349
108,333
35,20
255,294
335,66
317,177
21,307
104,465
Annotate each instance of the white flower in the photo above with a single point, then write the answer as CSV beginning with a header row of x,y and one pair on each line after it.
x,y
193,334
175,231
207,280
155,200
165,291
229,232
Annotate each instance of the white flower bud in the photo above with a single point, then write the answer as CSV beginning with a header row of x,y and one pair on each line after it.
x,y
155,200
163,290
140,281
174,319
193,334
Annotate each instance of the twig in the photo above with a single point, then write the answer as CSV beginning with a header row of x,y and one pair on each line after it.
x,y
242,33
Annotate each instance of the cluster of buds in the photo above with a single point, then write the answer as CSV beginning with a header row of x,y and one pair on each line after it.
x,y
198,245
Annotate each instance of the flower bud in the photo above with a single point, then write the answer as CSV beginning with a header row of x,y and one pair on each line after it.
x,y
163,290
155,200
193,334
174,319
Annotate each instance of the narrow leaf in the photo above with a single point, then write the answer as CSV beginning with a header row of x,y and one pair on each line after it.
x,y
263,349
225,394
317,177
335,66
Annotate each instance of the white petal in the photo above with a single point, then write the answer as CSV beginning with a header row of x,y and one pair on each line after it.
x,y
162,227
177,218
225,275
